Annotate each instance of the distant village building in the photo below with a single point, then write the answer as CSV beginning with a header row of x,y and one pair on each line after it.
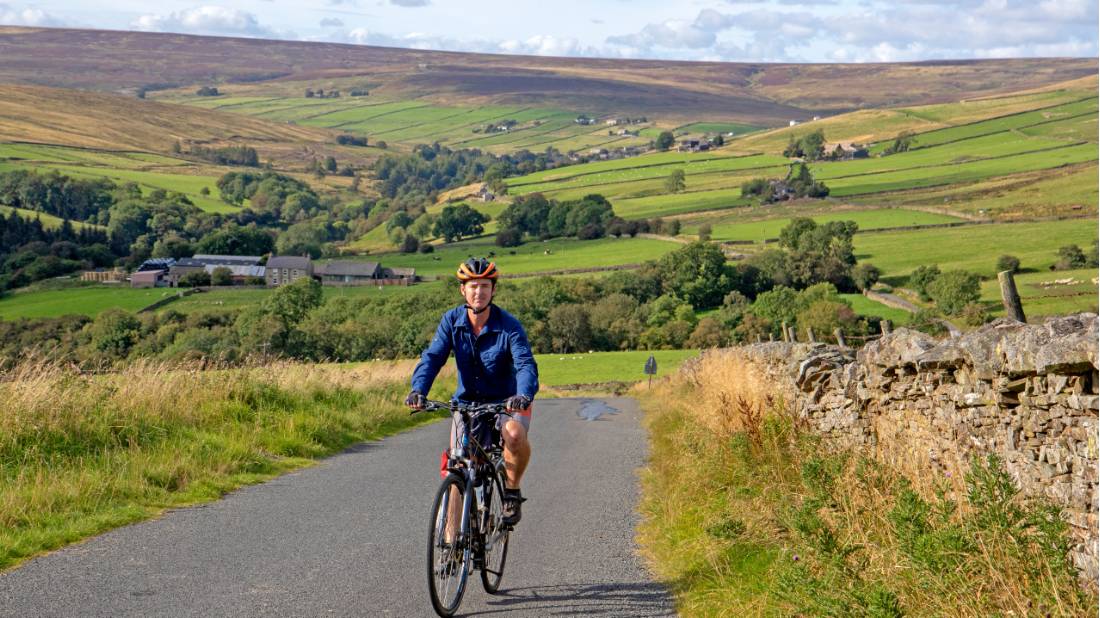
x,y
693,145
792,123
485,195
286,269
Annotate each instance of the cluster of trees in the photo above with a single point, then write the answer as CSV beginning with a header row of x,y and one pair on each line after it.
x,y
664,141
351,140
535,216
798,183
901,143
285,198
810,253
30,252
228,155
61,196
204,91
954,292
810,147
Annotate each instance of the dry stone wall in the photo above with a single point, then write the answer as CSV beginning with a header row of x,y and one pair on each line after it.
x,y
1026,392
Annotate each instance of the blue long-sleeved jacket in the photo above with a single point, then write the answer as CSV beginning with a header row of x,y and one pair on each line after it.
x,y
493,366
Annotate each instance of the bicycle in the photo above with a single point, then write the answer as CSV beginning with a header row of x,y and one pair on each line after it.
x,y
478,536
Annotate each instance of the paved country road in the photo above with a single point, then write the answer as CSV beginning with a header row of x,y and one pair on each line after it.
x,y
347,538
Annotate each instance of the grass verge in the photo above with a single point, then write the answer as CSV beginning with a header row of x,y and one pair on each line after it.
x,y
81,454
746,514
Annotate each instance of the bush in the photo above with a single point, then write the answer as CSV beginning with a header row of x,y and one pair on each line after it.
x,y
410,244
953,290
426,247
865,276
974,314
221,276
195,279
1010,263
1071,257
921,278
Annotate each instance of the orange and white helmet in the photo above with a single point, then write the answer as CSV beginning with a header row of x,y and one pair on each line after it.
x,y
477,268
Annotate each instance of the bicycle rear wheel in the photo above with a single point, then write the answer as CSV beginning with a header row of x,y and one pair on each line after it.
x,y
448,552
494,535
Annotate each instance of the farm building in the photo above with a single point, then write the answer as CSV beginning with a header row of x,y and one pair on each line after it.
x,y
240,266
284,269
149,279
349,273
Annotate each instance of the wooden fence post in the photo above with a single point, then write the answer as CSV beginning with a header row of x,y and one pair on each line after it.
x,y
886,327
810,334
786,333
839,337
792,334
1014,309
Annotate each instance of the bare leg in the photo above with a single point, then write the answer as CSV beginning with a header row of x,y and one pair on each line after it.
x,y
517,452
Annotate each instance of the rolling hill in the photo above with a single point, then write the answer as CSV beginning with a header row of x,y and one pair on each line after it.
x,y
755,93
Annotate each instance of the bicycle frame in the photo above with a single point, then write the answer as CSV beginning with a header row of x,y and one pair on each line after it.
x,y
468,460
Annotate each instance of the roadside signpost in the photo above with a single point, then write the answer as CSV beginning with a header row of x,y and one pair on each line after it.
x,y
651,369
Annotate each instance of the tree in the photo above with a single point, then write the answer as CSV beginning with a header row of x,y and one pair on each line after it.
x,y
1071,257
921,278
695,273
509,237
195,279
236,240
865,276
456,222
665,141
330,163
303,238
114,332
1010,263
952,290
708,333
221,276
675,181
410,244
705,231
570,330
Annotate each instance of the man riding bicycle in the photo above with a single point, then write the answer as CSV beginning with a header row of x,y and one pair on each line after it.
x,y
495,365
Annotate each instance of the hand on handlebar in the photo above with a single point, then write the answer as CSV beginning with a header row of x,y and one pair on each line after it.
x,y
415,401
517,403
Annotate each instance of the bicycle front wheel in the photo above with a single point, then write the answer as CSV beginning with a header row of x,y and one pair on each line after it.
x,y
494,534
448,551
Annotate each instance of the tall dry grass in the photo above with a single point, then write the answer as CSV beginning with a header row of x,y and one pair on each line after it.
x,y
80,453
747,513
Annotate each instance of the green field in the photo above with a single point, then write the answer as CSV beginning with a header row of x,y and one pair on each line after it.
x,y
147,170
552,255
418,122
89,301
725,128
596,367
49,222
1038,300
865,306
974,248
727,227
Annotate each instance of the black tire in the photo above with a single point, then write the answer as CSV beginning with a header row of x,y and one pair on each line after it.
x,y
448,563
495,536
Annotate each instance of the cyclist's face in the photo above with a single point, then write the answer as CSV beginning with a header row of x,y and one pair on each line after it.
x,y
478,293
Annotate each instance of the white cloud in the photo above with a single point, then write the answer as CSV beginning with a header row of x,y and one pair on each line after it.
x,y
410,3
332,22
205,20
27,16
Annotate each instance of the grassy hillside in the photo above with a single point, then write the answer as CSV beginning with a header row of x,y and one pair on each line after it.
x,y
752,93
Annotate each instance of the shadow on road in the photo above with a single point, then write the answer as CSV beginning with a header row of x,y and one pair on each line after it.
x,y
638,599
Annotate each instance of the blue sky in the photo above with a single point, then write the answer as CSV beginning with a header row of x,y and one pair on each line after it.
x,y
775,31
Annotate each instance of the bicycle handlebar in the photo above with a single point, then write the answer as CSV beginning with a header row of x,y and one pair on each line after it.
x,y
466,409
